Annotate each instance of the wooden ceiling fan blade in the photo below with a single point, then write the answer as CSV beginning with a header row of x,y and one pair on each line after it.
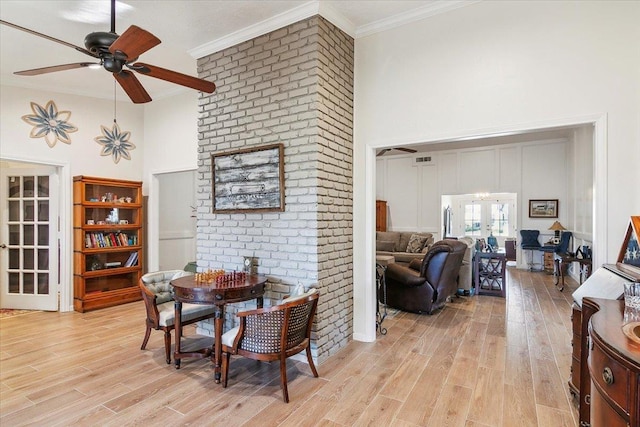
x,y
132,87
54,68
134,42
174,77
407,150
53,39
384,150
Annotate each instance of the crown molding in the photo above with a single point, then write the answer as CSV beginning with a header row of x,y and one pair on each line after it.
x,y
325,10
432,9
282,20
337,19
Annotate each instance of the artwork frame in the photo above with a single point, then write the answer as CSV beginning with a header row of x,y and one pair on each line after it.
x,y
629,256
543,208
249,179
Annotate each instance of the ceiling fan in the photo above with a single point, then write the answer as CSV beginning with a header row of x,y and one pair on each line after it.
x,y
406,150
117,54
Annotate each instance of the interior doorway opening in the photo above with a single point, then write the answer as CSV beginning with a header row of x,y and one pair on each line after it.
x,y
177,219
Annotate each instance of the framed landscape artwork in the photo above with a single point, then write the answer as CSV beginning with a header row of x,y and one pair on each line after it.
x,y
543,208
251,179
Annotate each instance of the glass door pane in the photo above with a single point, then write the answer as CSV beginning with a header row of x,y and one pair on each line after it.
x,y
500,219
473,219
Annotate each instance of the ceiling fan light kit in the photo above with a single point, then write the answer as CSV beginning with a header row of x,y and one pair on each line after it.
x,y
117,53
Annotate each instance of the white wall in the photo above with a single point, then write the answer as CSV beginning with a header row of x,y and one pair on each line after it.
x,y
171,134
581,186
171,145
83,154
500,66
81,157
533,170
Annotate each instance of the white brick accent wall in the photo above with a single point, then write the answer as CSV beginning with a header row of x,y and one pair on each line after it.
x,y
292,86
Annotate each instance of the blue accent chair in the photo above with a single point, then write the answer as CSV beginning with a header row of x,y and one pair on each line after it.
x,y
530,243
565,239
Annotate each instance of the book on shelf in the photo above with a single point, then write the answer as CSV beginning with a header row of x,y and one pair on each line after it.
x,y
112,264
133,260
108,240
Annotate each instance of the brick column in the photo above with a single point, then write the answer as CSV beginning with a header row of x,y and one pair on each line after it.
x,y
292,86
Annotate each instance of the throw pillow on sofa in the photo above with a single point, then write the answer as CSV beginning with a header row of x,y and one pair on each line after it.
x,y
385,246
416,243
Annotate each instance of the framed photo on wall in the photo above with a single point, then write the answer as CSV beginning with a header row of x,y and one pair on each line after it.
x,y
543,208
251,179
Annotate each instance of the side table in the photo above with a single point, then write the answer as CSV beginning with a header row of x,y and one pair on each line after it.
x,y
561,264
382,261
385,260
489,273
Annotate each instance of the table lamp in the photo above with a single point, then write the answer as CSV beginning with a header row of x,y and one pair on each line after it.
x,y
557,228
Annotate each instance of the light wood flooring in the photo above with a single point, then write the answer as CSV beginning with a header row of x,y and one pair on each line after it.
x,y
481,361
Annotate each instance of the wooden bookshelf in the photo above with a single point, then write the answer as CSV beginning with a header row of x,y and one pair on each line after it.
x,y
107,242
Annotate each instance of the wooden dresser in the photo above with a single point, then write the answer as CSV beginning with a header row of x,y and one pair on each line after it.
x,y
614,367
381,215
576,354
609,278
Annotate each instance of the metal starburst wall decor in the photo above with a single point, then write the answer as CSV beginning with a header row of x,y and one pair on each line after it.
x,y
115,143
50,124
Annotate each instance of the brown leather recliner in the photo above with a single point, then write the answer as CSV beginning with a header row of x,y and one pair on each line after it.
x,y
423,287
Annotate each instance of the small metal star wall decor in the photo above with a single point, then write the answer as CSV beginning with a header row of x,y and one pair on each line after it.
x,y
115,143
50,124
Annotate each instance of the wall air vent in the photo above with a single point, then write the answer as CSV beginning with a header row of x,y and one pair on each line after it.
x,y
423,160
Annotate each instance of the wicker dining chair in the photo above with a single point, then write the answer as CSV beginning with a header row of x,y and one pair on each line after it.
x,y
273,333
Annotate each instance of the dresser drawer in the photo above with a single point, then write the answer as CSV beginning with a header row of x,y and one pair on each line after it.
x,y
611,377
602,414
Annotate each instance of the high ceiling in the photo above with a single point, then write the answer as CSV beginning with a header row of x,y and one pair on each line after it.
x,y
187,29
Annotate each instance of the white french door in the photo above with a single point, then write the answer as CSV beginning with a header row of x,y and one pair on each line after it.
x,y
482,217
29,238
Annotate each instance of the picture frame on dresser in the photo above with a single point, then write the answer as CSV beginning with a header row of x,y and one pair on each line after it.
x,y
629,256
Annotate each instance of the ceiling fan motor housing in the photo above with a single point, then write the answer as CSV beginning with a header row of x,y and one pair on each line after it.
x,y
99,43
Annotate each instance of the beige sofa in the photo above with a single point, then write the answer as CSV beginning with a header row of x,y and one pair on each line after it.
x,y
395,243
